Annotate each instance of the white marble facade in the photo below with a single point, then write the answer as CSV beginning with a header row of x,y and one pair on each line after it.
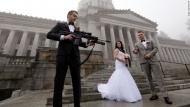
x,y
22,35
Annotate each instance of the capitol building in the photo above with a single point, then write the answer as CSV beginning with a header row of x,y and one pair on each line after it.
x,y
21,35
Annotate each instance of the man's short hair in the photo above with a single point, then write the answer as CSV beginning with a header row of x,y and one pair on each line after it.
x,y
140,31
71,12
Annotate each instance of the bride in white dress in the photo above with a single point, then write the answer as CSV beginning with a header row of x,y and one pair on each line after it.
x,y
121,85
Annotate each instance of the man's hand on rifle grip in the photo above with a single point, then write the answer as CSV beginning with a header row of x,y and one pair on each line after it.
x,y
69,37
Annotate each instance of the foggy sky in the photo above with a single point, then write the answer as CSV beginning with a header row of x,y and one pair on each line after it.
x,y
170,15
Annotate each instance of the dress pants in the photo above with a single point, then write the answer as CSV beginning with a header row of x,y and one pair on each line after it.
x,y
148,68
62,64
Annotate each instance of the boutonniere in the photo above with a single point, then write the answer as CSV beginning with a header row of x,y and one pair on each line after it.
x,y
147,42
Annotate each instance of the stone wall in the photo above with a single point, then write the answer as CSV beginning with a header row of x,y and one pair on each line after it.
x,y
25,74
41,72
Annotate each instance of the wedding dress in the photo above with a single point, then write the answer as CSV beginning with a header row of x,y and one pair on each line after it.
x,y
121,85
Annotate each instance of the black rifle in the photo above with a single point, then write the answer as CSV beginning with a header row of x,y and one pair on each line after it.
x,y
82,34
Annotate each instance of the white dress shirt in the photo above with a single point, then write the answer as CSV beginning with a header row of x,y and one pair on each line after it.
x,y
71,28
144,43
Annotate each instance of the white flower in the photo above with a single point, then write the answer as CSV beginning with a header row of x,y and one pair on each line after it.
x,y
147,42
126,55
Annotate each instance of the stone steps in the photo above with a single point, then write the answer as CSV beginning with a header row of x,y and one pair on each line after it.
x,y
137,80
106,77
89,85
107,73
102,77
84,97
93,88
96,96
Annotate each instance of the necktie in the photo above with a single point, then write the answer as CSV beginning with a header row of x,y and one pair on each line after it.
x,y
71,23
142,40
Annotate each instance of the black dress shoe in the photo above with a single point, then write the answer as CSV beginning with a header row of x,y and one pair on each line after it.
x,y
167,100
155,97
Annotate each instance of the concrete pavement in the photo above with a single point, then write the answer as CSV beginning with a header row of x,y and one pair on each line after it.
x,y
38,99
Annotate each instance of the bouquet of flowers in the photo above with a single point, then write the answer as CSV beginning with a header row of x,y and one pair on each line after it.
x,y
127,57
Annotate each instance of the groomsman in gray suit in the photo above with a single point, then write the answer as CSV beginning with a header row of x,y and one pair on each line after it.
x,y
147,49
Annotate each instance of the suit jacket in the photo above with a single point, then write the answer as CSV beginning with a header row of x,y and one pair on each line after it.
x,y
142,51
65,47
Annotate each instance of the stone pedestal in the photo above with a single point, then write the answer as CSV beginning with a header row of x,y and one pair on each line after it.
x,y
41,72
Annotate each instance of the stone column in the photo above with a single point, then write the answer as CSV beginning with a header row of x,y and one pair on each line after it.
x,y
169,54
9,43
188,56
57,43
35,44
130,43
22,45
157,54
184,56
149,35
177,55
173,56
47,42
1,39
188,51
180,55
112,37
103,33
136,35
159,48
164,53
122,38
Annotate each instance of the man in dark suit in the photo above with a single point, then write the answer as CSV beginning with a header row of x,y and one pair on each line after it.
x,y
67,55
147,49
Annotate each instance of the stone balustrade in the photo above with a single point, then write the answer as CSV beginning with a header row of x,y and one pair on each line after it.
x,y
46,54
41,71
19,60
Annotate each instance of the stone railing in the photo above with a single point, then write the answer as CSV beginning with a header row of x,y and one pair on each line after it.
x,y
15,60
49,55
46,54
19,60
41,71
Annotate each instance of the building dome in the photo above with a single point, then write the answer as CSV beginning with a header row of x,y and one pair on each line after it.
x,y
86,7
105,4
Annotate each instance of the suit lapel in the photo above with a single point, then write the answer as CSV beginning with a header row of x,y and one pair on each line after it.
x,y
140,44
67,27
142,47
75,28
